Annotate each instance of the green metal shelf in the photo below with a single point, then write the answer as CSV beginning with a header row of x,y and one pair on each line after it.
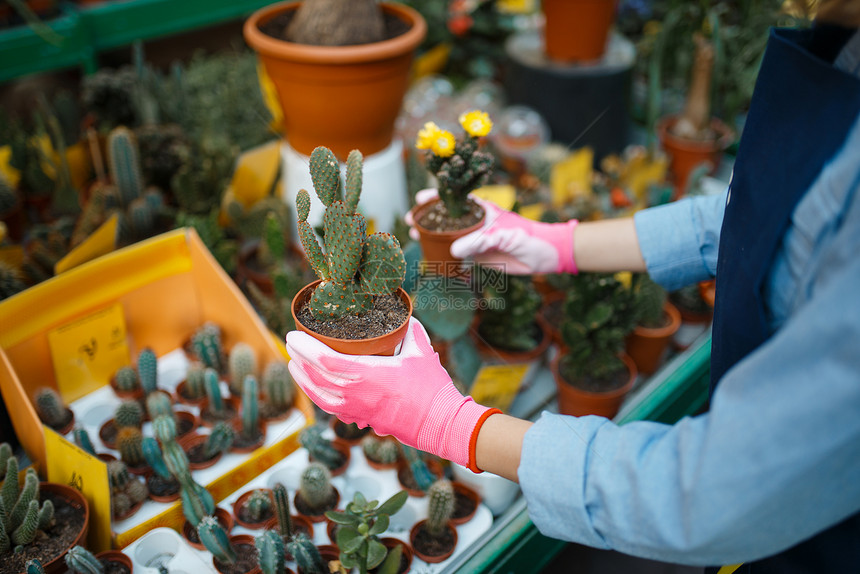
x,y
84,32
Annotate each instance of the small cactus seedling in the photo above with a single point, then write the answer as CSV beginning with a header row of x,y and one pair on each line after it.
x,y
197,502
213,391
50,407
164,428
215,539
379,450
278,386
270,553
242,362
250,407
128,414
147,370
82,561
315,486
258,505
194,388
21,517
282,510
82,439
206,346
440,507
129,443
154,458
126,379
175,460
159,404
220,440
320,449
306,555
355,266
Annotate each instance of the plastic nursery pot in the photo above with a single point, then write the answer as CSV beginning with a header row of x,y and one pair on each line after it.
x,y
491,353
68,425
107,433
342,432
646,345
436,245
382,465
186,423
315,515
193,445
125,395
118,558
244,444
440,554
685,154
208,419
181,395
153,481
345,451
247,562
578,402
577,30
239,505
375,76
466,503
79,506
404,477
189,533
382,345
300,524
405,557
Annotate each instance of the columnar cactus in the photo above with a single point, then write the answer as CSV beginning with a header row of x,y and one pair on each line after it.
x,y
129,443
126,379
315,485
159,404
147,370
380,450
282,510
270,552
215,539
154,458
82,561
278,386
258,505
250,407
197,502
175,460
320,449
5,455
20,514
420,472
124,165
213,391
9,489
306,555
206,345
82,439
194,387
219,440
355,266
242,362
50,407
440,506
164,427
128,414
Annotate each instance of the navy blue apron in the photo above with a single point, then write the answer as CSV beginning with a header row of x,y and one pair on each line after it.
x,y
800,115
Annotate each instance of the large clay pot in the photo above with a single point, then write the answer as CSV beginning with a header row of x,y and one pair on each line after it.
x,y
56,564
436,245
685,154
341,97
382,345
646,345
578,402
577,30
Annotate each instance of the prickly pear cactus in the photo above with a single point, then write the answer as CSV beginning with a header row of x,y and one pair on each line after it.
x,y
440,506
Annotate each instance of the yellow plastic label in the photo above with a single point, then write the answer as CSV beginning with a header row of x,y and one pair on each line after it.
x,y
502,195
71,465
729,569
101,242
87,351
496,386
533,212
270,98
432,61
572,177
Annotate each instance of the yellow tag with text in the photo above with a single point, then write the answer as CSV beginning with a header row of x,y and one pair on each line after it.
x,y
101,242
496,386
87,351
502,195
73,466
533,211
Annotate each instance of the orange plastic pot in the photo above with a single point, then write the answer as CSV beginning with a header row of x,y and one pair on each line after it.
x,y
56,564
577,30
436,245
117,557
646,345
382,345
685,154
341,97
577,402
461,490
431,558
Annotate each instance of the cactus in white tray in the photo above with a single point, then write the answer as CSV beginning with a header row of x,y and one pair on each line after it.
x,y
258,505
82,561
164,428
215,539
270,552
306,555
213,391
147,370
128,414
197,502
278,386
319,448
159,404
241,362
440,507
50,407
250,407
129,443
282,510
126,379
219,440
194,387
154,458
206,346
315,485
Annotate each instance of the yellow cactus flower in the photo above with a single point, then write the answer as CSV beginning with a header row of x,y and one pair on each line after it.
x,y
443,144
476,123
427,135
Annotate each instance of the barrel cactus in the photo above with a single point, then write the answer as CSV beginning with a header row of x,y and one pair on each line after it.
x,y
215,539
382,451
242,362
440,507
270,553
128,414
129,443
278,386
258,505
315,486
50,407
82,561
355,266
147,370
126,379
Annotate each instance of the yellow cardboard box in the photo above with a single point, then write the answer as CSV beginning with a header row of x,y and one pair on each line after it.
x,y
167,287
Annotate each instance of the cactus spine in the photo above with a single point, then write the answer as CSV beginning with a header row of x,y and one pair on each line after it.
x,y
213,391
129,443
282,510
147,370
306,555
50,407
270,552
159,404
82,439
250,407
20,514
126,379
278,385
258,505
128,414
197,502
194,387
206,345
376,259
215,539
164,428
440,507
379,450
175,460
315,485
320,449
82,561
242,362
125,165
154,458
219,440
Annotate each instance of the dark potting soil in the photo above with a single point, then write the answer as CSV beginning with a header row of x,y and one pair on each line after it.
x,y
277,26
404,564
435,217
594,385
427,544
246,560
349,432
245,515
161,487
184,426
247,441
463,505
305,509
197,453
388,313
209,415
114,567
68,417
407,480
68,521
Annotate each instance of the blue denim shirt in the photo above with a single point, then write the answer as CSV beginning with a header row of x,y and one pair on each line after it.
x,y
777,457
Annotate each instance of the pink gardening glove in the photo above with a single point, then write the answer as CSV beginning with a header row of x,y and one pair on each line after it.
x,y
510,242
409,396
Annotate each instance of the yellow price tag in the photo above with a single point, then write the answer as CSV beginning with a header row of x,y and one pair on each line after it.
x,y
533,211
502,195
496,386
101,242
71,465
87,351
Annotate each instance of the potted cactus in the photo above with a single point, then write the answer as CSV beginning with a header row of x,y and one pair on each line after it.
x,y
657,322
271,553
215,407
125,383
381,453
334,456
127,492
435,538
82,561
307,557
349,434
241,362
460,167
162,485
360,275
127,414
205,346
316,494
53,411
191,391
203,450
415,474
318,50
254,509
230,554
251,432
283,523
278,391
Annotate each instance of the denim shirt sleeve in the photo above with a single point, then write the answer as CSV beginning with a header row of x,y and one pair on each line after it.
x,y
680,240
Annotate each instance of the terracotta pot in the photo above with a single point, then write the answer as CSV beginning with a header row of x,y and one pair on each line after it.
x,y
57,564
329,552
180,396
708,291
685,155
461,490
240,503
382,345
130,512
577,402
577,30
300,524
366,81
190,441
136,394
436,245
224,518
70,425
187,420
315,518
407,552
431,559
337,426
249,447
231,403
107,433
117,557
495,354
161,498
236,540
646,345
344,450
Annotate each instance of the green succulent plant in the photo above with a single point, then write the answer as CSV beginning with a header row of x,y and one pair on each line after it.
x,y
213,391
355,266
154,458
250,407
282,510
421,473
320,448
5,454
258,505
159,404
164,427
242,361
82,561
50,407
21,516
194,381
34,566
508,322
197,502
440,507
